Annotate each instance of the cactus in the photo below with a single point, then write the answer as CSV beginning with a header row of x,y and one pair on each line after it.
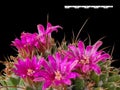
x,y
43,65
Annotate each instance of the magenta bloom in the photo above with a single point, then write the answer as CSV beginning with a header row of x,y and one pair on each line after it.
x,y
29,42
49,29
57,71
28,39
28,67
26,44
45,35
88,57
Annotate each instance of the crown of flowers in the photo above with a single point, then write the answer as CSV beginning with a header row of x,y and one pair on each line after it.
x,y
42,65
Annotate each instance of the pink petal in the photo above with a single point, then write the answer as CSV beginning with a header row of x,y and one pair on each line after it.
x,y
49,25
72,75
74,50
58,59
67,81
103,57
96,46
46,65
43,39
81,47
41,29
39,79
34,60
57,82
28,62
52,62
46,85
42,73
69,54
85,68
88,50
51,28
96,68
73,64
41,60
64,65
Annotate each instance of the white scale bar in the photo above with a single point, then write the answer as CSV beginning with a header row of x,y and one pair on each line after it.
x,y
88,6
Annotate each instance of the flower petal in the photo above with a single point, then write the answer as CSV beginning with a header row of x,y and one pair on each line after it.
x,y
42,73
46,85
52,62
49,25
73,64
39,79
96,68
41,29
51,28
67,81
74,50
85,68
46,66
58,59
88,50
73,75
81,47
96,46
102,57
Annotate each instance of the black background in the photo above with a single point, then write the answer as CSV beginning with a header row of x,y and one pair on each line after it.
x,y
102,22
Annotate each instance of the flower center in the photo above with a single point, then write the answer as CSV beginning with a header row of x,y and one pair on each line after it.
x,y
58,75
30,72
85,60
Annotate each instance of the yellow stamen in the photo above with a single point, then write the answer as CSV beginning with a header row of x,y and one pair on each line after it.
x,y
30,72
58,75
85,60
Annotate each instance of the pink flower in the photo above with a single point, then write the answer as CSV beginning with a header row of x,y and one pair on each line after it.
x,y
57,71
45,35
88,57
29,42
26,44
49,29
28,67
28,39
